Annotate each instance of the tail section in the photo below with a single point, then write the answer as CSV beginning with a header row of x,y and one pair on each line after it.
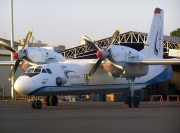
x,y
154,47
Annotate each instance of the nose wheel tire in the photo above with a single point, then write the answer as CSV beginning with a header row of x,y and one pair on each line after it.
x,y
36,104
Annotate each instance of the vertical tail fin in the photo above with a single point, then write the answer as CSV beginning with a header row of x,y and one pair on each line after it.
x,y
154,47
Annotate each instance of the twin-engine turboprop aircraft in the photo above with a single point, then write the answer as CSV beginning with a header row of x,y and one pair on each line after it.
x,y
117,68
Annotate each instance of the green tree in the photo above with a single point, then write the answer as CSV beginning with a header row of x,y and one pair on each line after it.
x,y
175,33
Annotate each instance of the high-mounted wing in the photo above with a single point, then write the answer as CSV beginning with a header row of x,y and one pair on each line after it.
x,y
155,62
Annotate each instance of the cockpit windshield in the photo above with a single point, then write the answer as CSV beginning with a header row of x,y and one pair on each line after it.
x,y
30,70
35,71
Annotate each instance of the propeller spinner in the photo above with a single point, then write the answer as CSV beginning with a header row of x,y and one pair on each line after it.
x,y
20,55
103,54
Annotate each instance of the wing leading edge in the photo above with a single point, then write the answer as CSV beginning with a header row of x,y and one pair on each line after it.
x,y
155,62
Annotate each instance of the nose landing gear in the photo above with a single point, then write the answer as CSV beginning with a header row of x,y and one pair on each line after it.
x,y
36,104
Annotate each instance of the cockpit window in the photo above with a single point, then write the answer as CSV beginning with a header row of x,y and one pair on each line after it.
x,y
34,71
49,71
37,70
44,71
30,70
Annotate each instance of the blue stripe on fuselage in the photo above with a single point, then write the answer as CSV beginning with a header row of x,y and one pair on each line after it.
x,y
39,90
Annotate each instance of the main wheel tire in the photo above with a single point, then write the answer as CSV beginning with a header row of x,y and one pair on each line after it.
x,y
53,100
33,105
136,101
38,104
46,99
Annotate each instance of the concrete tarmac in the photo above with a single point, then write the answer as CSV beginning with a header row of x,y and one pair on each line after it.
x,y
90,117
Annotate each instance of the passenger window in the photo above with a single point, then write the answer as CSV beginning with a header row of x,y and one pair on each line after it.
x,y
37,70
49,71
44,71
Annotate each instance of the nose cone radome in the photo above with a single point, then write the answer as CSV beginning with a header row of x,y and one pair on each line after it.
x,y
99,54
24,85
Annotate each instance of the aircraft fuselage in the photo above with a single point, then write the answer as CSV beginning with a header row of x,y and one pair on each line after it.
x,y
70,77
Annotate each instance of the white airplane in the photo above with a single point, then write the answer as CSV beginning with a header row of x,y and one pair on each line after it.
x,y
117,68
30,55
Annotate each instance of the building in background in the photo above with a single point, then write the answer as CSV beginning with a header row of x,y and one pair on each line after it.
x,y
35,43
17,45
56,48
38,43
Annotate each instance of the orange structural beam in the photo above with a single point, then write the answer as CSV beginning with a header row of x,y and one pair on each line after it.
x,y
152,98
172,96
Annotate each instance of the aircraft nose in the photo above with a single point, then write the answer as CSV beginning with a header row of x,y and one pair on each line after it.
x,y
24,85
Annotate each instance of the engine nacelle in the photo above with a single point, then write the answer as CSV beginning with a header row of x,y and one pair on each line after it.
x,y
42,55
130,70
112,71
122,55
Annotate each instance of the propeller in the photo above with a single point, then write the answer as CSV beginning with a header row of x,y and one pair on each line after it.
x,y
19,55
103,53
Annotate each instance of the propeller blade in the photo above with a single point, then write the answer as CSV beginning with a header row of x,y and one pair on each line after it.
x,y
27,40
115,64
94,68
103,54
29,61
7,46
14,69
113,38
91,42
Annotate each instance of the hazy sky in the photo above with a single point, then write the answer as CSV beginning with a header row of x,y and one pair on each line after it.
x,y
65,21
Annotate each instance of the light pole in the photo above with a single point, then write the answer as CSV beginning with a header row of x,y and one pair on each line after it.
x,y
12,45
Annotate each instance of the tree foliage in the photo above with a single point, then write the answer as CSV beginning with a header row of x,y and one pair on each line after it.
x,y
175,33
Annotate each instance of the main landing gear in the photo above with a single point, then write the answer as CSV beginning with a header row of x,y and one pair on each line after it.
x,y
49,100
132,101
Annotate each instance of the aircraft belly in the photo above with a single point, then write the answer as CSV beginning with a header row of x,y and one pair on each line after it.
x,y
84,89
